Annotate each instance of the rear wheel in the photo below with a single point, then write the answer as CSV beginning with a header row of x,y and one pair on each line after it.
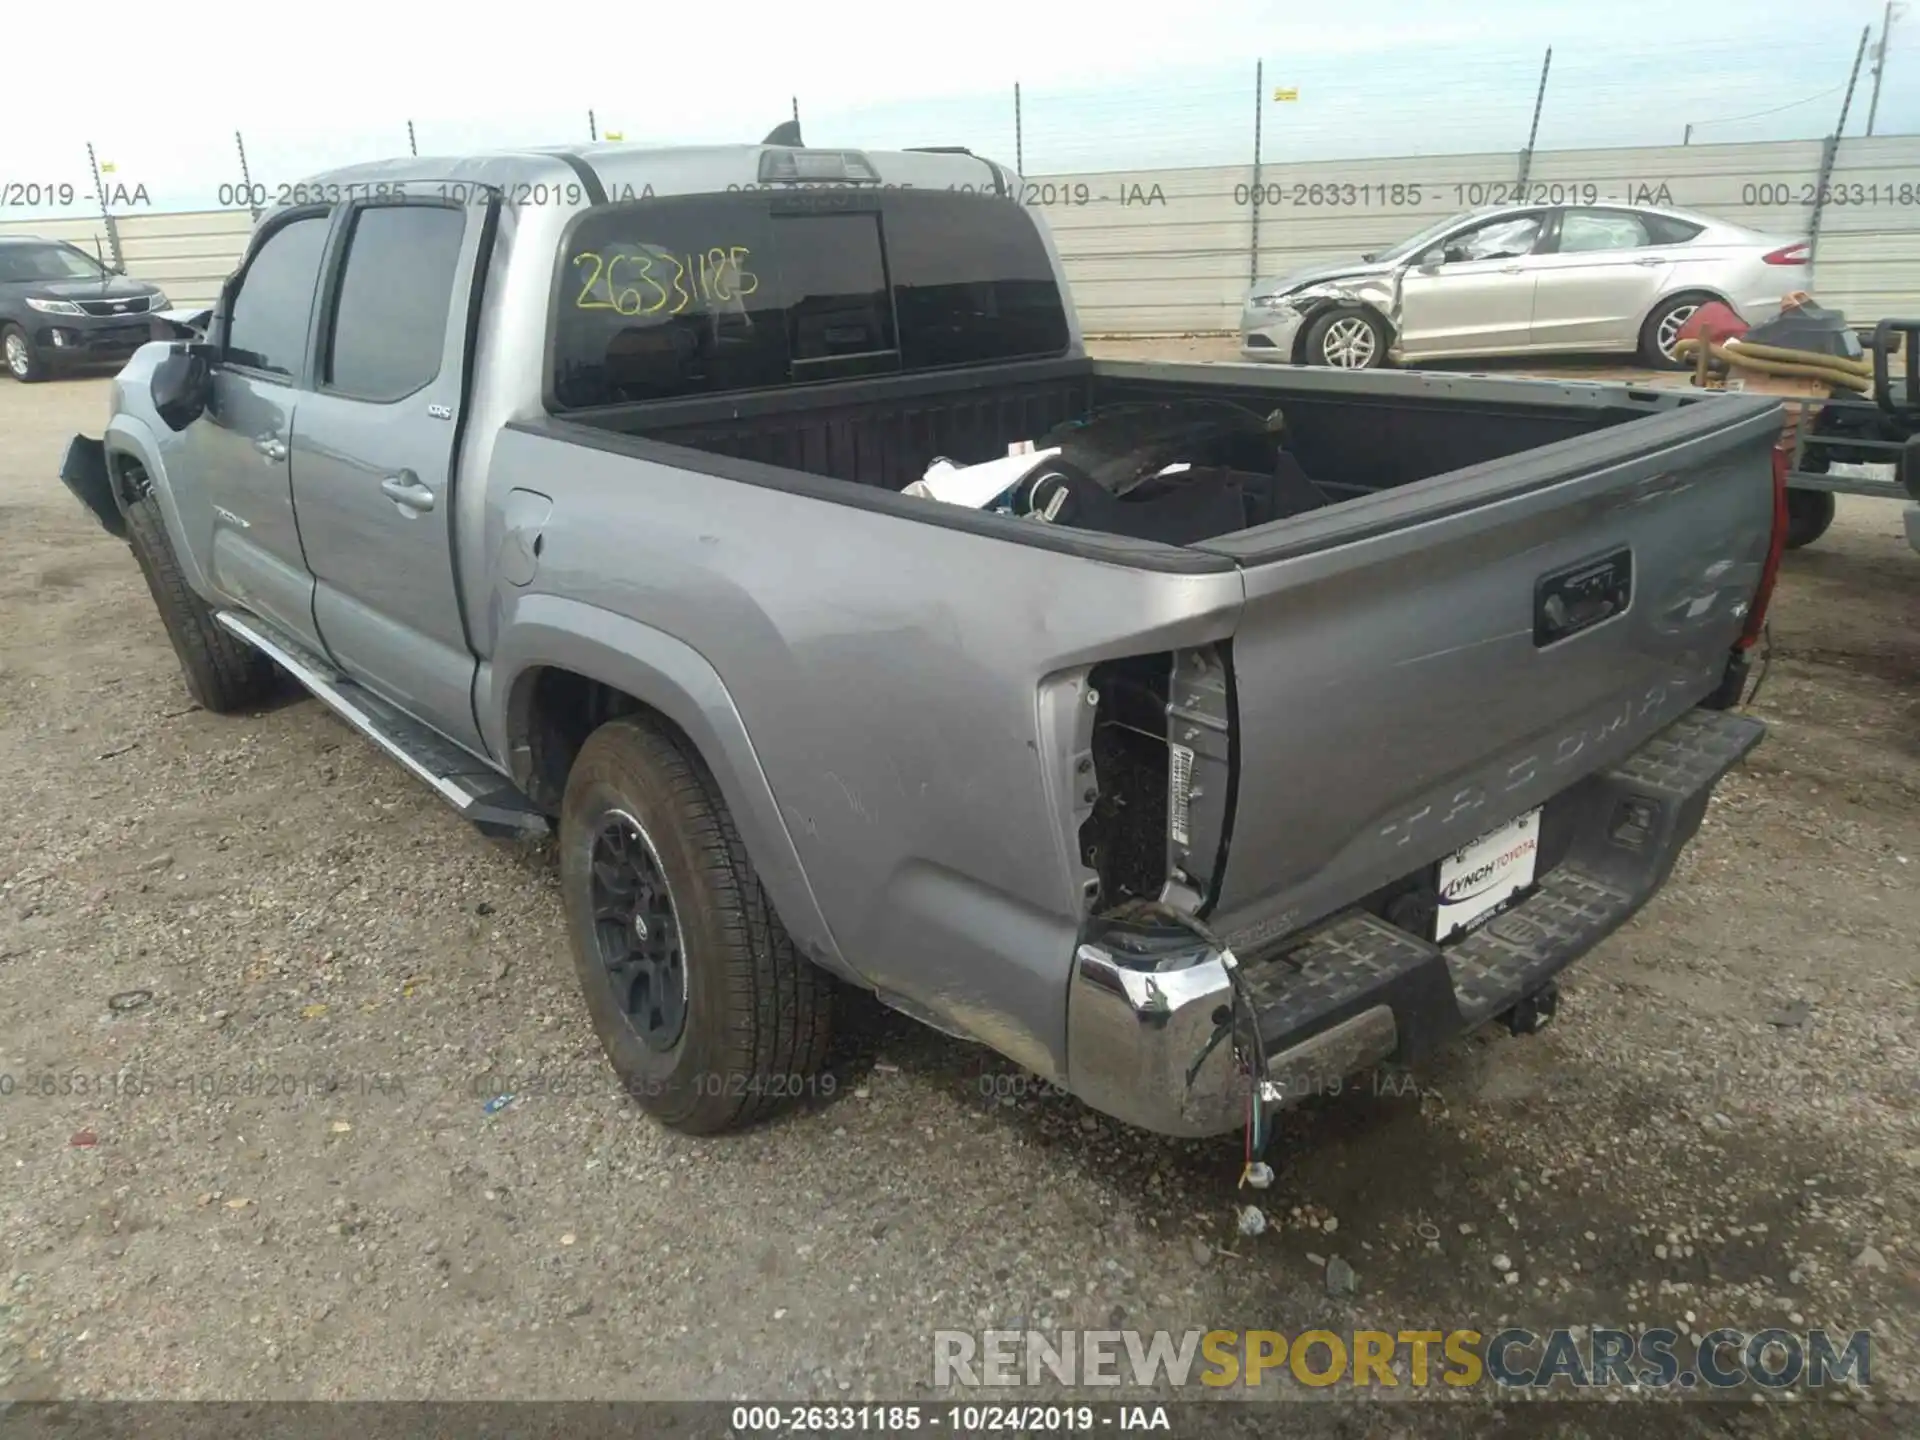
x,y
223,672
1809,513
711,1017
22,359
1348,338
1662,331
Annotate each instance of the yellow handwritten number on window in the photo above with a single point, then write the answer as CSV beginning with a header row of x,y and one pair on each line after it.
x,y
699,278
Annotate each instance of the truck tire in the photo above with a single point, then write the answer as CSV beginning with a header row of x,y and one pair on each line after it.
x,y
711,1017
223,672
1809,513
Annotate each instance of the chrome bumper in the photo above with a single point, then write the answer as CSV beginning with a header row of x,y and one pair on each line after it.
x,y
1146,1042
1150,1041
1150,1013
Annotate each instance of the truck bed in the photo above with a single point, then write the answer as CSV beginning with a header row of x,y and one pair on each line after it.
x,y
1404,620
1518,586
1354,436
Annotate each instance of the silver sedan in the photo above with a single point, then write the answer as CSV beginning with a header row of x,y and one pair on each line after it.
x,y
1523,279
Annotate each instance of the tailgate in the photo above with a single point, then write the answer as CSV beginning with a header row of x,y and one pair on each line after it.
x,y
1415,668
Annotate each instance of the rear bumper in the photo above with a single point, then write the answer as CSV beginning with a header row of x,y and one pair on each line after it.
x,y
1148,1023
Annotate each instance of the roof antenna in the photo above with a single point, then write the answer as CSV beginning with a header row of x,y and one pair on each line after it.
x,y
787,132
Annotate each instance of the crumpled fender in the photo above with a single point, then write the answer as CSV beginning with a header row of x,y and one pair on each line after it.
x,y
85,473
1379,293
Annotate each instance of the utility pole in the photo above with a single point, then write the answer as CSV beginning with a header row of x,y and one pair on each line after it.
x,y
1880,61
1533,131
1019,139
106,215
1830,151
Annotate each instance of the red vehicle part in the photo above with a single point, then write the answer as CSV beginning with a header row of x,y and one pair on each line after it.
x,y
1776,546
1712,323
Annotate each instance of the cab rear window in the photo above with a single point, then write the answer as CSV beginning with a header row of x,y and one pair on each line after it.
x,y
705,294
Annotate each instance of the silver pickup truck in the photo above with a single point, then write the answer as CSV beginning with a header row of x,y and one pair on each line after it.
x,y
1276,723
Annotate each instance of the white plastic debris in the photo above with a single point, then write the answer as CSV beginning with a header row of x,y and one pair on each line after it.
x,y
1253,1220
975,485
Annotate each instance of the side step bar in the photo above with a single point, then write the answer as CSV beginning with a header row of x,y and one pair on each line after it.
x,y
479,793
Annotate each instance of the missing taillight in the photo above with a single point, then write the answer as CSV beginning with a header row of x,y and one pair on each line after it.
x,y
1162,760
1124,840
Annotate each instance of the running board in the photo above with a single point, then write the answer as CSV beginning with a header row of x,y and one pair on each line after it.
x,y
480,794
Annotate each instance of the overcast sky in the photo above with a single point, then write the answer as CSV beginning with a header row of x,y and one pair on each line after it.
x,y
1114,86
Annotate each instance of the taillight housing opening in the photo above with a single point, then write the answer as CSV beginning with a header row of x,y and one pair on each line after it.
x,y
1776,547
1795,254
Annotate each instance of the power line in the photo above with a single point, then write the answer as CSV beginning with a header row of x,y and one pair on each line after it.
x,y
1790,105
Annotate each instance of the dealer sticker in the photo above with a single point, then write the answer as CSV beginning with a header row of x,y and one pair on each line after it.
x,y
1478,880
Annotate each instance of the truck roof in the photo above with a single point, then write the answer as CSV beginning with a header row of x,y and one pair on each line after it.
x,y
669,169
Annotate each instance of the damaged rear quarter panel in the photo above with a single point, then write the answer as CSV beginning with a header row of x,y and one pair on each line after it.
x,y
909,689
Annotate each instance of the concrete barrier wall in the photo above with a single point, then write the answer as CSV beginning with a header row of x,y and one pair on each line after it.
x,y
1168,251
1173,251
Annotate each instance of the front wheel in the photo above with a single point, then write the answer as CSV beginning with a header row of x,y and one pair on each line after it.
x,y
23,361
1348,338
711,1017
223,673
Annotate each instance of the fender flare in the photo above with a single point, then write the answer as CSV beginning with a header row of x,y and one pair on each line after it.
x,y
129,436
549,632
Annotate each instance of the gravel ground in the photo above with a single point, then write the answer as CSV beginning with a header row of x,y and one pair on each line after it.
x,y
276,1173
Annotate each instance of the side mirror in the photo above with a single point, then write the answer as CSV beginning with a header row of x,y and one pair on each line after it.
x,y
181,386
1433,259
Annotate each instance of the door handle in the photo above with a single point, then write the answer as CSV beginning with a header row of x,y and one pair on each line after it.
x,y
271,446
1510,269
1649,260
406,489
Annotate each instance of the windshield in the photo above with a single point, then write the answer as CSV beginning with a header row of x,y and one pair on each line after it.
x,y
47,262
1414,244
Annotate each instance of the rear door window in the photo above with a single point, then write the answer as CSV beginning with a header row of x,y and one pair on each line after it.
x,y
1582,230
1668,230
694,295
389,323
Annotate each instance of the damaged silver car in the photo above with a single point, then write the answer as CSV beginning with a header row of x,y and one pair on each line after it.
x,y
1523,279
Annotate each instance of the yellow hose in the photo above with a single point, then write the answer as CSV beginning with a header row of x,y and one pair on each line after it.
x,y
1834,369
1862,367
